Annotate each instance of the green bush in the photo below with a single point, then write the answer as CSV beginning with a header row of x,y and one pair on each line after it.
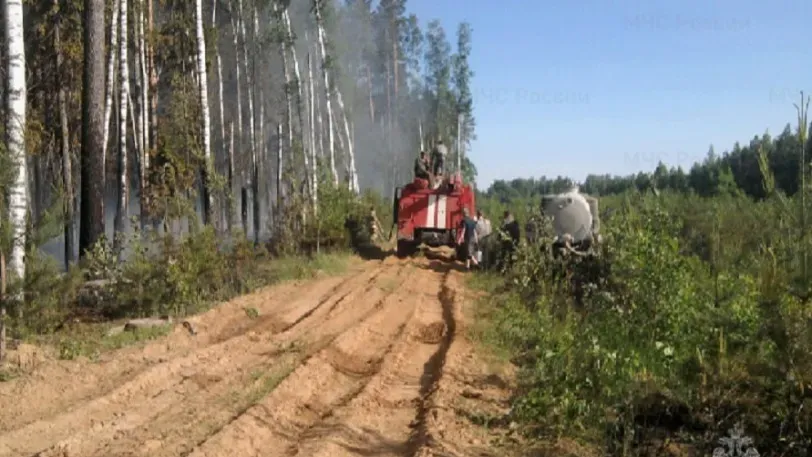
x,y
691,301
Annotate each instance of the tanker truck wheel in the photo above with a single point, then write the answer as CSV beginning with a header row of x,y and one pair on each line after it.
x,y
406,248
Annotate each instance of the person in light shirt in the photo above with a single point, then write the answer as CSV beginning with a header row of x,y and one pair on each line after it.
x,y
483,225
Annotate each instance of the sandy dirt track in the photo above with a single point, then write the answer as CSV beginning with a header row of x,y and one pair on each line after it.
x,y
371,363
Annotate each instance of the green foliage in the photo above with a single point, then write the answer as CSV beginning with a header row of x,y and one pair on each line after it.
x,y
161,275
339,222
691,300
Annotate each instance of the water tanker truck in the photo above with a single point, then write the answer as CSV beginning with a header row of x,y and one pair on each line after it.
x,y
575,221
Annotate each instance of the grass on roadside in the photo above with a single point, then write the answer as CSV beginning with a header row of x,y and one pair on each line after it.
x,y
92,340
487,307
76,339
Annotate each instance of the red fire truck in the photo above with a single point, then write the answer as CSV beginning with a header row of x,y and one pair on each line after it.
x,y
430,215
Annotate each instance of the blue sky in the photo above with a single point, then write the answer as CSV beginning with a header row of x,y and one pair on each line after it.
x,y
578,87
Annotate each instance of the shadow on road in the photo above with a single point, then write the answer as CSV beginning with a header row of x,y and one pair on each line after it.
x,y
439,254
441,266
441,260
371,251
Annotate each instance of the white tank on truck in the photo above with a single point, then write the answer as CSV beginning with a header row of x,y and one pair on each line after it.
x,y
575,219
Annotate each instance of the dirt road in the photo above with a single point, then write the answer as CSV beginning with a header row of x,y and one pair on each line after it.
x,y
371,363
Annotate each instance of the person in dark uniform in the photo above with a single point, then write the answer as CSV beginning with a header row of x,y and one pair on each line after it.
x,y
510,237
421,166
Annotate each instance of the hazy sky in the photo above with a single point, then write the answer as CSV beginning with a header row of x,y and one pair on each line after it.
x,y
614,86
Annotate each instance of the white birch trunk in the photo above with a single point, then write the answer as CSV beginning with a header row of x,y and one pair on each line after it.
x,y
135,110
420,132
16,97
202,78
279,166
298,76
144,92
348,148
299,102
143,111
286,69
314,174
459,144
326,77
124,102
219,64
256,126
230,202
249,86
353,175
235,29
134,120
111,76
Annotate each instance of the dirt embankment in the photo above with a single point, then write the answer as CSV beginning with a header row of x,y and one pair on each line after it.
x,y
372,363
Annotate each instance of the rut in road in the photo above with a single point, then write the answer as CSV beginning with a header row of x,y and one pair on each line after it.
x,y
341,367
388,417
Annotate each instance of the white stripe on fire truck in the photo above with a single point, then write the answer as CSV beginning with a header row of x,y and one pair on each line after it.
x,y
441,212
430,211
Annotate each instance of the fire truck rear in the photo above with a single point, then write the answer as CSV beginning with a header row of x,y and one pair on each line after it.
x,y
430,215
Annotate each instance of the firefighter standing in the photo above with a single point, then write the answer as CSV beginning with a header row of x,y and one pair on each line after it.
x,y
438,157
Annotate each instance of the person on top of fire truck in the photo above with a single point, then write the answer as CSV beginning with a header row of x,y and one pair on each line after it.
x,y
438,157
421,166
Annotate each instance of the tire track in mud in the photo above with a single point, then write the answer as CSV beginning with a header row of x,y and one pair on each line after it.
x,y
388,418
421,438
159,387
327,380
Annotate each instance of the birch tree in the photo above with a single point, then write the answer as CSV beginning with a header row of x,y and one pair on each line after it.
x,y
224,146
219,64
257,126
16,98
236,146
317,9
297,81
122,209
111,76
249,84
204,108
283,52
143,111
153,79
314,178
